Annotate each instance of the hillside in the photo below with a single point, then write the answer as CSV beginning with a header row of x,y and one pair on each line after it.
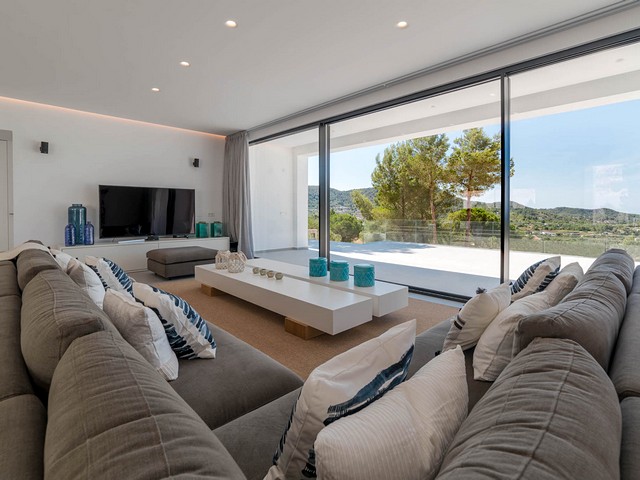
x,y
522,218
340,200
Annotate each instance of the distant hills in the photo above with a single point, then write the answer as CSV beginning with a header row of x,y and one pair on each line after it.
x,y
522,217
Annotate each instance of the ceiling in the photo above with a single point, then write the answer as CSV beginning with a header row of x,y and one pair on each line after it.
x,y
284,56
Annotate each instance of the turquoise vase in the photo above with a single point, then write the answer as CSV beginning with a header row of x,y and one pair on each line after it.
x,y
318,267
339,271
77,216
364,275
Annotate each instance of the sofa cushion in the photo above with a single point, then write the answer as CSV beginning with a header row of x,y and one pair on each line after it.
x,y
474,317
112,416
342,386
24,420
88,280
535,278
14,377
618,262
257,379
635,287
493,351
8,280
54,313
111,274
552,414
141,327
624,371
32,262
629,458
252,438
188,333
590,315
405,434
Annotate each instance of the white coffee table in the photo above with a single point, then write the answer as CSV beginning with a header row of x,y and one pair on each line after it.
x,y
386,297
309,309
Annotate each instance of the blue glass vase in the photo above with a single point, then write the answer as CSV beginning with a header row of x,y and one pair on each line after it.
x,y
77,216
88,234
69,235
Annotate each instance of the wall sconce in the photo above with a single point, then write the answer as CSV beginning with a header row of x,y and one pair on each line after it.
x,y
44,147
196,162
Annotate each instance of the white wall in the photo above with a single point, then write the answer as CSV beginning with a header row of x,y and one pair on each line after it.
x,y
279,198
86,150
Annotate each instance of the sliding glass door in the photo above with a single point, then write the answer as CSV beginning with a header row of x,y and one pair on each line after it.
x,y
415,190
574,135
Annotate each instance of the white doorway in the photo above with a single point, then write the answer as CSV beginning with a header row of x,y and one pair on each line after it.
x,y
6,210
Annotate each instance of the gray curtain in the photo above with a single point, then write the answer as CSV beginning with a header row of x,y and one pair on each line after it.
x,y
236,192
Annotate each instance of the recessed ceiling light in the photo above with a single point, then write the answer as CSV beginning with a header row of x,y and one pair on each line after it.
x,y
185,64
231,24
155,89
402,24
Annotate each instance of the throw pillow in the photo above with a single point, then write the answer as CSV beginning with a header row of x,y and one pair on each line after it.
x,y
493,351
61,258
111,274
535,278
342,386
87,280
406,433
564,283
475,315
141,327
187,332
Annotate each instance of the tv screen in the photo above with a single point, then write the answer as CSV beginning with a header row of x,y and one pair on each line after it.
x,y
141,211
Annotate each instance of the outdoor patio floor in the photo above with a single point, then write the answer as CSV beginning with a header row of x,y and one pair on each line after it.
x,y
456,270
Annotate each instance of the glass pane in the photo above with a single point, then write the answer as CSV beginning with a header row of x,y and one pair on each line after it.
x,y
574,140
415,190
284,177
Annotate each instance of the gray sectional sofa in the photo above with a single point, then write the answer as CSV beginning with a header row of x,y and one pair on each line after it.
x,y
77,401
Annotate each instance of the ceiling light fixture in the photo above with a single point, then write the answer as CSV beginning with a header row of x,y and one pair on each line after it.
x,y
402,24
155,89
231,24
185,64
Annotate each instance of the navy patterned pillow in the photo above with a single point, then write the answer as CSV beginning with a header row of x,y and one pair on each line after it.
x,y
187,332
111,274
535,278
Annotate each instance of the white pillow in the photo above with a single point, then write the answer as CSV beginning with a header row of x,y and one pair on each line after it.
x,y
61,258
403,435
187,332
111,274
564,283
87,280
475,315
535,278
141,327
493,351
341,386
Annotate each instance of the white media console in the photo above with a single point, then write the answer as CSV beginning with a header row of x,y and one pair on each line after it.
x,y
132,256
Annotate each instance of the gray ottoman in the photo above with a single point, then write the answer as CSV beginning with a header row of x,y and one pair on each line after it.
x,y
178,261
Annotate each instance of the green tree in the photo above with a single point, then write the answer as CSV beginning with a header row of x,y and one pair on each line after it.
x,y
392,180
427,162
363,204
346,226
474,166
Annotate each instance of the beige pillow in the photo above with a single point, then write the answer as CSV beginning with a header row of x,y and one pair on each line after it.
x,y
564,283
535,278
141,327
493,351
403,435
339,387
475,315
88,280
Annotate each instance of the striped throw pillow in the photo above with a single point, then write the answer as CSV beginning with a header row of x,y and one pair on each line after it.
x,y
111,274
187,332
535,278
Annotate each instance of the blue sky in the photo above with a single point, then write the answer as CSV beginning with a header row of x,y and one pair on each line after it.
x,y
587,158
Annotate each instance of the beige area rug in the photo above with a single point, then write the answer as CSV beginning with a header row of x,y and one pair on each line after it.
x,y
265,330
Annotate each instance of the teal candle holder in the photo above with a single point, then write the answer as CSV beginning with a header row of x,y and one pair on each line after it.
x,y
364,275
318,267
339,271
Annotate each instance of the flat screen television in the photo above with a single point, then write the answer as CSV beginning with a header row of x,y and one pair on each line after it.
x,y
127,211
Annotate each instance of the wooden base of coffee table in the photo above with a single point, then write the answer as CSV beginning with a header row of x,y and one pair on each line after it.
x,y
300,329
210,291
